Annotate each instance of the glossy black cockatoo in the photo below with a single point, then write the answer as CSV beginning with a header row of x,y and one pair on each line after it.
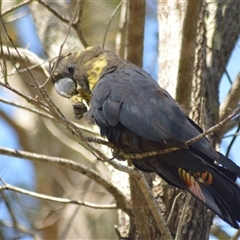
x,y
138,116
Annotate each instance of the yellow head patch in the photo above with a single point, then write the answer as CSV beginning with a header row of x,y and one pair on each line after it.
x,y
96,70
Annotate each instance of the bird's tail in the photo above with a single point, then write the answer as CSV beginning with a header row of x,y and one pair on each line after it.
x,y
207,183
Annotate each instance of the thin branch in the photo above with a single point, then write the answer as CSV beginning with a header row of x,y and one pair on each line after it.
x,y
135,31
15,223
55,199
31,60
228,76
19,227
9,208
54,12
235,113
26,108
172,208
231,101
31,100
166,235
121,167
68,164
77,24
65,140
233,140
54,108
4,65
100,141
187,54
121,155
23,61
236,236
16,7
181,220
109,23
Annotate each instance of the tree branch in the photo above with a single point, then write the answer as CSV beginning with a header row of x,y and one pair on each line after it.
x,y
68,164
187,54
231,101
14,8
166,235
55,199
235,113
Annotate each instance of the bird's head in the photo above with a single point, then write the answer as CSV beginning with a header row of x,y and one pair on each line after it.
x,y
77,73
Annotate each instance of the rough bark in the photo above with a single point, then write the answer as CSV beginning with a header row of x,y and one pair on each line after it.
x,y
142,223
208,69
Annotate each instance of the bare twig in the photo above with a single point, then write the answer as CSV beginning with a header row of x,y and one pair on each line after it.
x,y
54,12
31,60
68,164
109,23
172,208
31,100
236,236
187,53
16,7
166,235
9,208
231,101
16,224
60,52
233,140
55,199
181,221
27,109
70,143
118,153
77,24
235,113
121,167
100,141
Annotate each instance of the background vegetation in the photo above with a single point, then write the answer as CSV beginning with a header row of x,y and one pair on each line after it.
x,y
55,184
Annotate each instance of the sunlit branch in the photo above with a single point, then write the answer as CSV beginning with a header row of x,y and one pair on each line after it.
x,y
31,60
109,23
68,164
172,208
233,140
235,113
166,235
181,221
75,25
56,199
31,100
26,108
16,7
230,102
236,235
64,139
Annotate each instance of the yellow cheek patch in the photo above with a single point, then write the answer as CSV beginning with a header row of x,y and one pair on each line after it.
x,y
95,71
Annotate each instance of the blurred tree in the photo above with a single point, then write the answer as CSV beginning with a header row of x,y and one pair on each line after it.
x,y
83,194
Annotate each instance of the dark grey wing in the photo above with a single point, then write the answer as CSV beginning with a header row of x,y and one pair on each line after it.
x,y
131,97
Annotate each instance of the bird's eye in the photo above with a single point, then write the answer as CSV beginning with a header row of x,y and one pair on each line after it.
x,y
71,68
